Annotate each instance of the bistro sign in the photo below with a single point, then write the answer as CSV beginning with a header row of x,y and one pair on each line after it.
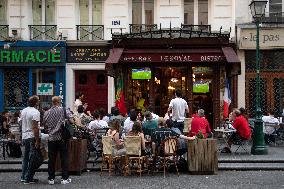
x,y
31,55
173,58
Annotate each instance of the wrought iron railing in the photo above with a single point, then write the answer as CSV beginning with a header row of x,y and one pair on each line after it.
x,y
43,32
274,18
137,28
4,32
90,32
185,31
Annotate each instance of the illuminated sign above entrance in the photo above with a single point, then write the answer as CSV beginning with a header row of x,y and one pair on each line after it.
x,y
168,57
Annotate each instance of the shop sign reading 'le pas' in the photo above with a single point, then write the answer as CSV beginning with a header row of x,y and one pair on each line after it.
x,y
32,55
269,38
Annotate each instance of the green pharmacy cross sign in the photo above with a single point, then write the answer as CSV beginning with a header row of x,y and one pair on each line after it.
x,y
44,88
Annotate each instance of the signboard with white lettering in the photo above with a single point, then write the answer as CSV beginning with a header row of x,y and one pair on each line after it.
x,y
87,54
44,89
269,38
173,57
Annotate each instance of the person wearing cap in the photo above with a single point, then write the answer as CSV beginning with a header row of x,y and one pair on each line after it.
x,y
150,124
200,123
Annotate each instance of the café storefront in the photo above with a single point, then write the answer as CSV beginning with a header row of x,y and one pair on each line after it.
x,y
153,65
31,68
271,70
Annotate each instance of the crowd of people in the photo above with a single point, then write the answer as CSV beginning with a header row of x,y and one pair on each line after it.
x,y
31,124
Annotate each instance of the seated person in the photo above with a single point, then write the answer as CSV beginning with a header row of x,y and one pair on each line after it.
x,y
163,132
150,124
200,123
98,123
270,122
117,145
243,131
137,131
128,123
115,114
81,118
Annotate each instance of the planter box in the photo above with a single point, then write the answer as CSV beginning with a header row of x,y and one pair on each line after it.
x,y
202,156
77,156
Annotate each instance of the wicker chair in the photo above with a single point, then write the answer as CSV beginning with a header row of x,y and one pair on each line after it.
x,y
133,154
107,158
170,147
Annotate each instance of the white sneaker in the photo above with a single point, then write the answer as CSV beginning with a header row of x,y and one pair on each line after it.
x,y
51,182
67,181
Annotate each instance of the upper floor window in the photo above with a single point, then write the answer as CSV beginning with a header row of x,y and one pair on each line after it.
x,y
196,12
275,7
143,12
43,12
90,12
3,12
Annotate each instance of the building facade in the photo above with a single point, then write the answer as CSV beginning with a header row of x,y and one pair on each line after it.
x,y
92,23
271,53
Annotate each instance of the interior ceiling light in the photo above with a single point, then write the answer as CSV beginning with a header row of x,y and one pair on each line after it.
x,y
174,80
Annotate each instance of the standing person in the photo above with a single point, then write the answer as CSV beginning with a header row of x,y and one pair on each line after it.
x,y
78,101
30,117
52,120
178,107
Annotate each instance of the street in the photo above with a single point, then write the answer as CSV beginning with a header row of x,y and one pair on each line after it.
x,y
224,179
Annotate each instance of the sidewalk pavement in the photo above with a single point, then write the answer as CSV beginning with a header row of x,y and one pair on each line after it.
x,y
242,160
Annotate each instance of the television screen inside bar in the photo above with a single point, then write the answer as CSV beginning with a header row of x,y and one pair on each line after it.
x,y
141,73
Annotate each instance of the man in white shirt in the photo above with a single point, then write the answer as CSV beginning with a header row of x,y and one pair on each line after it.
x,y
97,123
178,107
269,127
30,117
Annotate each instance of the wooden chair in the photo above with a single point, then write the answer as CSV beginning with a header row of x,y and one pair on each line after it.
x,y
133,154
170,147
107,158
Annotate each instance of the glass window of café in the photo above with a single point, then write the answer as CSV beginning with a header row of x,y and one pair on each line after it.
x,y
166,81
143,12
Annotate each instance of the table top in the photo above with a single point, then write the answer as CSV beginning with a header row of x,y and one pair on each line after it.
x,y
225,130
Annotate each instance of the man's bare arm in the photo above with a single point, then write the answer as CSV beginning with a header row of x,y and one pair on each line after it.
x,y
36,133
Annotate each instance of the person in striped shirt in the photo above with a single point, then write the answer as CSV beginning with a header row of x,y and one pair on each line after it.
x,y
52,121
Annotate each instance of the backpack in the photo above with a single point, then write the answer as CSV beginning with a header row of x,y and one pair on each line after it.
x,y
14,149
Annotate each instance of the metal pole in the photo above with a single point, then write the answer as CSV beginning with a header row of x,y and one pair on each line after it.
x,y
258,147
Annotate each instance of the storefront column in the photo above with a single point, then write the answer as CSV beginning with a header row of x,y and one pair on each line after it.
x,y
235,91
30,81
152,90
1,90
216,97
189,91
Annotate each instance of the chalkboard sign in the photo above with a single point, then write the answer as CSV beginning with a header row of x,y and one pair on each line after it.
x,y
87,54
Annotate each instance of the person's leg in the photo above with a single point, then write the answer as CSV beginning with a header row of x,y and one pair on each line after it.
x,y
30,170
64,159
52,153
25,159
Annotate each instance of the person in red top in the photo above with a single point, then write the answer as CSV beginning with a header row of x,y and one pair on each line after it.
x,y
200,123
243,131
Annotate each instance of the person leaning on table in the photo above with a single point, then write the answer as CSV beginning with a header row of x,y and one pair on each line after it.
x,y
243,131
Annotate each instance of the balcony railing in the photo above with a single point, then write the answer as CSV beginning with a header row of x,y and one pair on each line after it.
x,y
204,28
4,32
274,18
90,32
138,28
43,32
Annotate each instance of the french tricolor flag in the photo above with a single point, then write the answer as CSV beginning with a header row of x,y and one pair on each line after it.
x,y
227,99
